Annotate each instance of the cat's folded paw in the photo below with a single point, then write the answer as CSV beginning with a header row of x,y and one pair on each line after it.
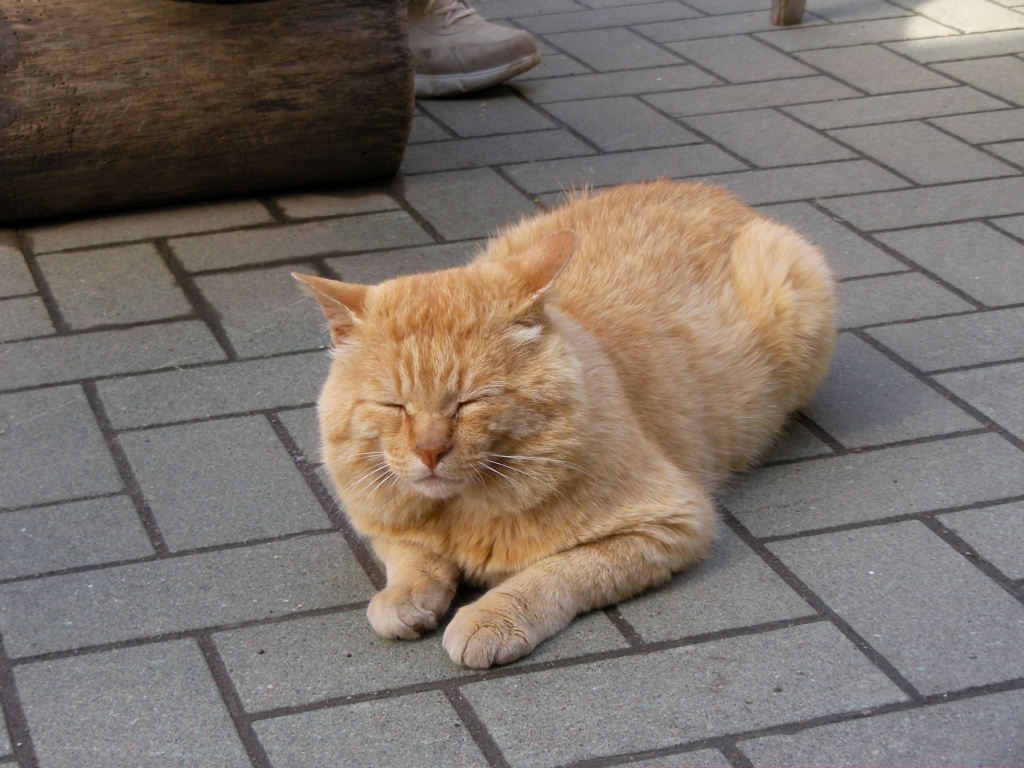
x,y
480,638
402,611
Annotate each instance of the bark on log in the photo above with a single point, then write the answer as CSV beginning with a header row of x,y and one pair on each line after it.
x,y
112,103
787,12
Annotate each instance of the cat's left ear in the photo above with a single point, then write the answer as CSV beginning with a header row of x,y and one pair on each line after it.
x,y
342,303
537,267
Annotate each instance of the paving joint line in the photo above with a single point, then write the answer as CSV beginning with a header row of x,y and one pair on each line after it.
x,y
60,324
496,673
204,310
970,553
966,407
183,634
331,506
396,189
477,730
977,366
821,607
735,756
629,634
23,749
124,469
71,500
232,701
889,520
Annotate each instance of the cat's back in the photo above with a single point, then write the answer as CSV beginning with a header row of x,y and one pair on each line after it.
x,y
719,321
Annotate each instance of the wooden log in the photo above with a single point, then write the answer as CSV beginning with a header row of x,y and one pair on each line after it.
x,y
112,103
787,12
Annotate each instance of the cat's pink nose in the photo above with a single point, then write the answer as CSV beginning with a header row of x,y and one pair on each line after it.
x,y
431,454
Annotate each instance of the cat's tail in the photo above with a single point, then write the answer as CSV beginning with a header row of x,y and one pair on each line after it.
x,y
787,291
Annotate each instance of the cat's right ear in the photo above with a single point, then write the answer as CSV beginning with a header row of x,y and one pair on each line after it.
x,y
342,303
538,266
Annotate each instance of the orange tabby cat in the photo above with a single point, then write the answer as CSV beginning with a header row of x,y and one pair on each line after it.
x,y
549,428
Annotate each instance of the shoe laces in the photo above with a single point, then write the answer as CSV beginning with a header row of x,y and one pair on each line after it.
x,y
452,13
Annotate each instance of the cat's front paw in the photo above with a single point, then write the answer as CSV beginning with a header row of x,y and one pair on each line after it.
x,y
404,611
480,637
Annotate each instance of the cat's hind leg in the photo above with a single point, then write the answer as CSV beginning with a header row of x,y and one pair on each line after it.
x,y
420,588
512,619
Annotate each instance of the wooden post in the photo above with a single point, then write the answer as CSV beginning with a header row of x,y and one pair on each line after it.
x,y
113,103
787,12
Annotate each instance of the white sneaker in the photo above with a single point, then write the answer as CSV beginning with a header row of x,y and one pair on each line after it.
x,y
454,50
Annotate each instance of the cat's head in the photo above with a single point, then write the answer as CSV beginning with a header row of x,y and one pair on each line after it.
x,y
440,380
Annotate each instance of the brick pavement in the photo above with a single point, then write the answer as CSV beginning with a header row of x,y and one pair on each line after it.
x,y
179,588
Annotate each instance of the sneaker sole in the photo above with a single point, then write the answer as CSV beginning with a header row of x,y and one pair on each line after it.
x,y
436,86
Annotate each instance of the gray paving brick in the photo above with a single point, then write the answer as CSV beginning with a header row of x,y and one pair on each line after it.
x,y
778,185
923,153
996,533
372,268
607,170
1015,225
621,123
721,7
126,284
493,10
734,98
966,15
874,69
15,279
465,204
976,259
839,11
23,318
389,229
969,732
677,696
890,108
931,205
190,476
876,484
768,138
303,426
867,399
310,206
420,731
856,33
644,13
105,353
712,26
1002,76
612,49
552,65
950,342
1012,151
704,758
145,225
283,319
312,659
146,707
942,623
627,83
732,588
741,59
796,442
500,113
848,254
492,150
175,594
425,129
198,393
960,47
51,448
69,535
985,126
996,392
907,296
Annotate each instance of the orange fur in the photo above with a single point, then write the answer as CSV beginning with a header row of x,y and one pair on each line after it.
x,y
549,428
